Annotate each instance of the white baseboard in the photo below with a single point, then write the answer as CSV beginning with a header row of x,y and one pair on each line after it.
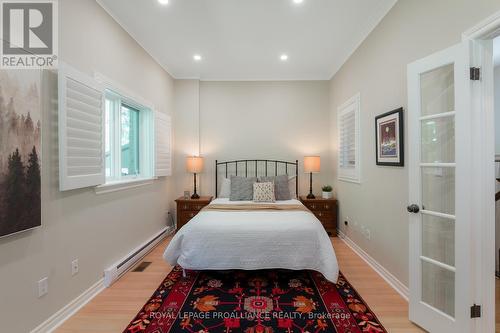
x,y
58,318
377,267
69,309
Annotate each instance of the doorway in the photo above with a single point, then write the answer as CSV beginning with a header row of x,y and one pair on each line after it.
x,y
451,126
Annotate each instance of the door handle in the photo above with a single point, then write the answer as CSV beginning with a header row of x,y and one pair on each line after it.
x,y
413,208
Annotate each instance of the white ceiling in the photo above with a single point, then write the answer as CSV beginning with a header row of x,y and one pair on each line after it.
x,y
243,39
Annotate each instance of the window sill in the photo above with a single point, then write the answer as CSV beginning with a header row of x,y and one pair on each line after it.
x,y
123,185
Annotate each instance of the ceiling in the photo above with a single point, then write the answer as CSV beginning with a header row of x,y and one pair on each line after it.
x,y
244,39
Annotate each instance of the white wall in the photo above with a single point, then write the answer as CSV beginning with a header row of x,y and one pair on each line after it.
x,y
96,229
186,127
411,30
249,120
497,152
497,108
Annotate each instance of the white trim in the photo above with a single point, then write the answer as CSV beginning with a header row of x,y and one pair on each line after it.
x,y
438,165
438,214
126,94
483,211
488,28
397,285
123,185
438,263
441,313
439,115
58,318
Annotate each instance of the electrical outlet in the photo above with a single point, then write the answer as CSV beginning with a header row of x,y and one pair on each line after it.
x,y
368,234
43,287
74,267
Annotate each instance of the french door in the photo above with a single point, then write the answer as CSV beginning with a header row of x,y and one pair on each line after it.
x,y
439,182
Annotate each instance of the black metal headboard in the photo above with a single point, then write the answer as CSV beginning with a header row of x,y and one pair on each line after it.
x,y
267,168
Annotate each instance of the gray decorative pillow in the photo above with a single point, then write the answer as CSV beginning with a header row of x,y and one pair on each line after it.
x,y
281,190
242,188
225,188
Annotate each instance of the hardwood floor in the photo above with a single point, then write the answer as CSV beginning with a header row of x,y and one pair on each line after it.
x,y
115,307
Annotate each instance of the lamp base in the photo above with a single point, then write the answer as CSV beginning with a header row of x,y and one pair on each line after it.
x,y
310,196
195,196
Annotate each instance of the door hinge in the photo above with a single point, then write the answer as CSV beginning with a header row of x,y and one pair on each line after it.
x,y
475,73
475,311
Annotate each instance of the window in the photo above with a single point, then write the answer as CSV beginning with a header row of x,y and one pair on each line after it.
x,y
349,140
107,138
128,140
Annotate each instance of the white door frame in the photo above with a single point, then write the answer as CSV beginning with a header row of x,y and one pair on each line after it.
x,y
483,174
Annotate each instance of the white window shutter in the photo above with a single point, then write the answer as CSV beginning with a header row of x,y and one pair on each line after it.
x,y
348,128
81,130
163,141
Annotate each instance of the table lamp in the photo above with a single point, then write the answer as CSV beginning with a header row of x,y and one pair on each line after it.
x,y
194,165
311,165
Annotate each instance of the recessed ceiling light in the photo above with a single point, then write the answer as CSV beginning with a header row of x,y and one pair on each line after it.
x,y
165,2
298,1
197,57
284,57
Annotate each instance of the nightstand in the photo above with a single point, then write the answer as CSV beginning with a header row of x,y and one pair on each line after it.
x,y
188,208
325,210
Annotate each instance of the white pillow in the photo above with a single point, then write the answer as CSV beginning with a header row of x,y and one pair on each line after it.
x,y
225,188
292,180
263,192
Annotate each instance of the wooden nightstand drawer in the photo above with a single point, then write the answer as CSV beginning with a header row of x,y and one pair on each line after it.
x,y
325,211
320,206
187,215
323,215
188,208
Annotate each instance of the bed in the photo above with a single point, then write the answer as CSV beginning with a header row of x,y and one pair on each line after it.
x,y
250,236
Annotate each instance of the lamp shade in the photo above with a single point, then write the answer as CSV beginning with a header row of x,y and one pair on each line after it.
x,y
312,164
194,164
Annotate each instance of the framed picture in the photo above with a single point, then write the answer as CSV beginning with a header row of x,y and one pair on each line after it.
x,y
389,138
20,145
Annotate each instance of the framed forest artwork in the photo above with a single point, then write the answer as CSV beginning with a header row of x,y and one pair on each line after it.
x,y
389,138
20,144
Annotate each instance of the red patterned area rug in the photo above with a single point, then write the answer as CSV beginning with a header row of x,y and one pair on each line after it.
x,y
267,301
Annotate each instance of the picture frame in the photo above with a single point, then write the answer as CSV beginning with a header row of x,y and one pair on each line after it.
x,y
20,151
389,138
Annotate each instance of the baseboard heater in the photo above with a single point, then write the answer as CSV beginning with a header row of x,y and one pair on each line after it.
x,y
115,271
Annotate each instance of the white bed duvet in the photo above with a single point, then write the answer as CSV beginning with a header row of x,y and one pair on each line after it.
x,y
253,240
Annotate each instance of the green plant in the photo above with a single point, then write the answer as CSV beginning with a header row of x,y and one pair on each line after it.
x,y
327,188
